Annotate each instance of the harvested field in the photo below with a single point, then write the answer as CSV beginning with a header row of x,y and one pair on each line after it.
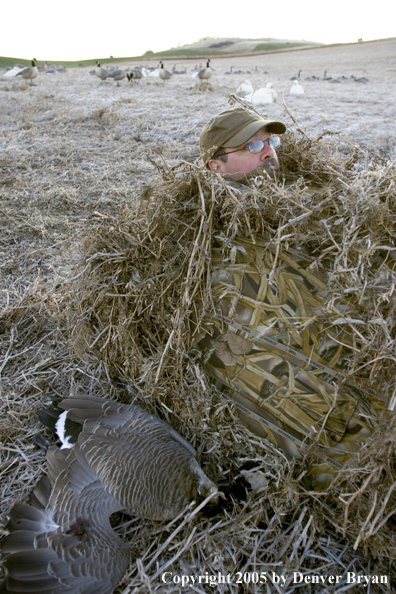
x,y
75,154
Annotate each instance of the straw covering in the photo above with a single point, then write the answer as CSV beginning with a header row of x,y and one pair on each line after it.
x,y
141,298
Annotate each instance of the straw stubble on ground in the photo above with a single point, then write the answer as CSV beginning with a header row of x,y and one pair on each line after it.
x,y
76,153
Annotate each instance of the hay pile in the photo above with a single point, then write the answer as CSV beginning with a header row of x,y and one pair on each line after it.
x,y
139,295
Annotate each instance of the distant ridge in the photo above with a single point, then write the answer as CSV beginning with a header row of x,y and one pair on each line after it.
x,y
240,45
216,47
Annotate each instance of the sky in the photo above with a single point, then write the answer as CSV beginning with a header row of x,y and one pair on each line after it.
x,y
82,29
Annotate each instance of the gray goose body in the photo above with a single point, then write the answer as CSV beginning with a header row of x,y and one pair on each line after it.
x,y
164,74
135,74
116,75
205,73
29,73
100,72
124,459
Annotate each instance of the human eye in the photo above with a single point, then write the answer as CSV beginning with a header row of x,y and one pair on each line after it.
x,y
274,142
255,146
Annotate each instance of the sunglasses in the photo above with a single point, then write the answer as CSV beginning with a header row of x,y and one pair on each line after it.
x,y
256,146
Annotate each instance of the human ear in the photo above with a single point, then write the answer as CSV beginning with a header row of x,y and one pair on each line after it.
x,y
216,165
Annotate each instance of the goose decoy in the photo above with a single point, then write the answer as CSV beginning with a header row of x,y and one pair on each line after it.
x,y
205,73
116,75
12,71
296,89
100,72
262,96
245,88
164,74
274,94
175,71
124,459
154,73
29,73
296,77
135,74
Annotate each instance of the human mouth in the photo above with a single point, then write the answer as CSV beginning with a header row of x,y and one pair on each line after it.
x,y
271,165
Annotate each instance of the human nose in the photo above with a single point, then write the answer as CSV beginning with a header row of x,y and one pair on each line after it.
x,y
267,152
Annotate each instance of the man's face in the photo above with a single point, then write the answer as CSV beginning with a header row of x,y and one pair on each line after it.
x,y
243,161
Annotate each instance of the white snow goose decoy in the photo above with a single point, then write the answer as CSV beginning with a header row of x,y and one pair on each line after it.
x,y
274,94
30,72
124,459
13,71
245,88
296,89
262,96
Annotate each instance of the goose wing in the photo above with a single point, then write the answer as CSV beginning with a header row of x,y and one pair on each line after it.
x,y
23,71
62,541
142,462
115,74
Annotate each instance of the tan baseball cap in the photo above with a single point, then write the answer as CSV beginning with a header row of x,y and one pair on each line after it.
x,y
233,127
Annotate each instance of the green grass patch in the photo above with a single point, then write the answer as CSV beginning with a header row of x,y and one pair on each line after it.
x,y
171,53
180,52
265,47
5,62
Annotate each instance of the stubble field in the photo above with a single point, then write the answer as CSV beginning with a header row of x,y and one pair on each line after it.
x,y
72,144
74,149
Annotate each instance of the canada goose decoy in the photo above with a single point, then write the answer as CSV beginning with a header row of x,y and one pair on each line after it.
x,y
124,459
29,73
205,73
135,74
296,89
116,75
362,79
175,71
164,74
99,71
296,77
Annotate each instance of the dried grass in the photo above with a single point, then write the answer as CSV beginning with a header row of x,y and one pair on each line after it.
x,y
140,293
122,328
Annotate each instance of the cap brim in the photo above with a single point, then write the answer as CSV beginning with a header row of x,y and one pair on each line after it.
x,y
252,129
